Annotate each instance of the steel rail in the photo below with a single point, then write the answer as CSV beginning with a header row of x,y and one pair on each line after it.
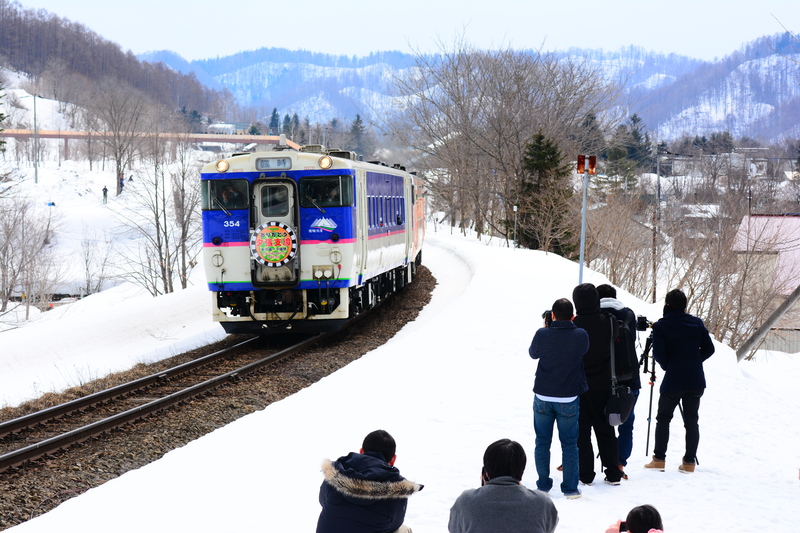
x,y
54,444
78,404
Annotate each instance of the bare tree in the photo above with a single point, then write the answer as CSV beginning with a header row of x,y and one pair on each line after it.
x,y
96,252
471,114
186,207
121,112
27,257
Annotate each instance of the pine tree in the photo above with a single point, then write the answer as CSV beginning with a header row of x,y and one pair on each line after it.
x,y
544,192
287,125
274,121
360,140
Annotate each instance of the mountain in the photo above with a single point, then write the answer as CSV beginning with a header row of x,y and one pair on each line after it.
x,y
318,86
753,92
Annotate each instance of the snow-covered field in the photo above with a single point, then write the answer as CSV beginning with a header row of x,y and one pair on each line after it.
x,y
449,384
459,377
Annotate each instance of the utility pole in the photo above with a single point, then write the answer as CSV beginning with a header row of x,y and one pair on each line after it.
x,y
35,143
585,170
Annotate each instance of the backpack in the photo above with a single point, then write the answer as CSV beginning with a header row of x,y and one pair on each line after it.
x,y
626,363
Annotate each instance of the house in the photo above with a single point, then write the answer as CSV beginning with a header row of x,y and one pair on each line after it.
x,y
768,248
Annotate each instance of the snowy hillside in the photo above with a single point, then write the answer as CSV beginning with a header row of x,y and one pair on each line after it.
x,y
753,92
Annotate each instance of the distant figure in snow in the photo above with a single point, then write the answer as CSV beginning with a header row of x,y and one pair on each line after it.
x,y
105,194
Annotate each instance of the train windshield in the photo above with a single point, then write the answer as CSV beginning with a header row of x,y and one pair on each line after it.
x,y
275,200
327,191
225,194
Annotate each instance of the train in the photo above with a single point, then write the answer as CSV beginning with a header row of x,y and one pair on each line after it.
x,y
306,240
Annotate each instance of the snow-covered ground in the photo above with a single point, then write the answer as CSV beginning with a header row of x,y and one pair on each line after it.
x,y
449,384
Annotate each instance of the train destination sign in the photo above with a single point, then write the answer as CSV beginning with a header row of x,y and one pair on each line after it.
x,y
274,163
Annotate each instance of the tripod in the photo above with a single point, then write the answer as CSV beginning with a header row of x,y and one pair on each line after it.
x,y
648,345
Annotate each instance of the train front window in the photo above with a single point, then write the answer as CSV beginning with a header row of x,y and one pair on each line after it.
x,y
274,201
225,194
327,191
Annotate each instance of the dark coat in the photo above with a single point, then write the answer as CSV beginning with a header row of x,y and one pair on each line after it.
x,y
362,493
626,314
560,350
601,329
680,345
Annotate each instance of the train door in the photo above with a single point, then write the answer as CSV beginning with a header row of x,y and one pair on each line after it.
x,y
274,244
362,227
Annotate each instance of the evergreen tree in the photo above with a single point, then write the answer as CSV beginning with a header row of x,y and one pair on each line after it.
x,y
360,140
544,221
253,130
640,149
629,153
274,121
287,126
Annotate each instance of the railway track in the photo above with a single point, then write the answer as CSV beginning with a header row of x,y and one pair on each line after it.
x,y
98,413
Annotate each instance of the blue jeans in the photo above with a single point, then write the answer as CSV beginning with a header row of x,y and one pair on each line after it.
x,y
626,433
565,416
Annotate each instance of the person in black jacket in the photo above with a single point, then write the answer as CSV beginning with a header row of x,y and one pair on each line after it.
x,y
597,365
680,345
364,492
610,304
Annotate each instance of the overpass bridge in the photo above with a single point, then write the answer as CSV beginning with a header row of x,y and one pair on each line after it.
x,y
68,135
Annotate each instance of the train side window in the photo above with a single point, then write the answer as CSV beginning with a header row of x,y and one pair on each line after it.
x,y
225,194
326,191
274,201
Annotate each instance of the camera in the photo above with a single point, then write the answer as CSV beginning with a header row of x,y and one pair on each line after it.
x,y
622,525
548,318
642,323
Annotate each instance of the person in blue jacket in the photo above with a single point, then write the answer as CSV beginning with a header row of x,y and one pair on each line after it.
x,y
680,345
560,380
364,492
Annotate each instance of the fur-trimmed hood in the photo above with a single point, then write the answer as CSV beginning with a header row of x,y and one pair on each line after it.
x,y
387,483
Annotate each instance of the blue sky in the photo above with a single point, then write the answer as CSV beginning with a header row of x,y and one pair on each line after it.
x,y
198,29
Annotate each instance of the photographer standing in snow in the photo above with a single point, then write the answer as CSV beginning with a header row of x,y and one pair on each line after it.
x,y
680,345
610,304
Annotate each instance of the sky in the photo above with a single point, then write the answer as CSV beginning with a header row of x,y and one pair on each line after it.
x,y
202,29
459,378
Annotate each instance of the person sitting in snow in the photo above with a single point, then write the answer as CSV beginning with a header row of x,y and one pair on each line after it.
x,y
502,504
363,492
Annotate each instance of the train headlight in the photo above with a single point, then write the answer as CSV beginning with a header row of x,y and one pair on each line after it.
x,y
222,165
325,162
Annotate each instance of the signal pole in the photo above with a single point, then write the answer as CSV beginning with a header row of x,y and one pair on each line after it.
x,y
583,169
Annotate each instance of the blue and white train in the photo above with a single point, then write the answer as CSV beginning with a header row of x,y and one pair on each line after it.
x,y
305,240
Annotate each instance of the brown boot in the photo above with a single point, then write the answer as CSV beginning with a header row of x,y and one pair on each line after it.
x,y
656,464
686,468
